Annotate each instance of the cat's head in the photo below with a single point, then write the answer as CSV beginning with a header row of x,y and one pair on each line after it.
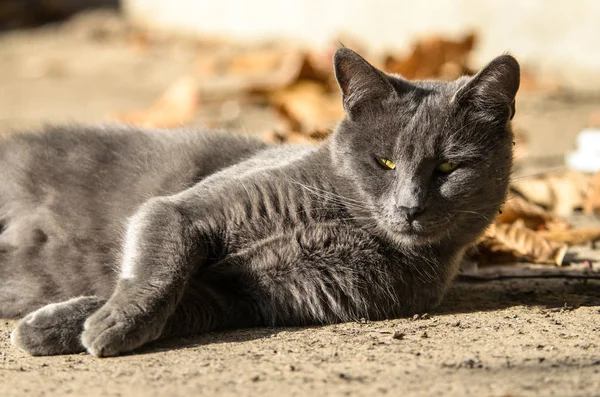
x,y
427,159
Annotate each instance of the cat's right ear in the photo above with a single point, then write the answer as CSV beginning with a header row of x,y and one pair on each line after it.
x,y
361,83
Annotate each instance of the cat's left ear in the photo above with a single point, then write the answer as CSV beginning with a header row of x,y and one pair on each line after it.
x,y
361,83
494,88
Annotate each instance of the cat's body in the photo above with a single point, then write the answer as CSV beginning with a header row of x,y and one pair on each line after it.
x,y
217,231
67,194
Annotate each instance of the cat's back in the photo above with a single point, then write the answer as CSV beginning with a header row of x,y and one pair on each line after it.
x,y
109,153
104,173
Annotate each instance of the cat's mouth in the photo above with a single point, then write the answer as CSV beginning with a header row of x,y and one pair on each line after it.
x,y
417,237
414,233
410,232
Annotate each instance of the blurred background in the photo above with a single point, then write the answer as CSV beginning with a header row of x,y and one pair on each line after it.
x,y
264,67
89,60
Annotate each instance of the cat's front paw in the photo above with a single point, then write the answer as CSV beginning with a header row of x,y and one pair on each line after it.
x,y
55,328
117,329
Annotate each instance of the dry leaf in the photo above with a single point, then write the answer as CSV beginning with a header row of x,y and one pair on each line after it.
x,y
560,192
246,64
534,216
258,71
573,236
434,56
525,242
175,107
307,107
139,40
592,200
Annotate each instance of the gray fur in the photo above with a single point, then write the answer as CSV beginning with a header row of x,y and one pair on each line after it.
x,y
225,231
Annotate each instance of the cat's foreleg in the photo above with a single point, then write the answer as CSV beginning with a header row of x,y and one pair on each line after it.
x,y
55,328
161,249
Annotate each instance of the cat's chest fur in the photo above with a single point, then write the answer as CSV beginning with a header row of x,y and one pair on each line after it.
x,y
277,193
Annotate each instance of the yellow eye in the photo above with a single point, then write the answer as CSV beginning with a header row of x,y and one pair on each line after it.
x,y
447,167
389,164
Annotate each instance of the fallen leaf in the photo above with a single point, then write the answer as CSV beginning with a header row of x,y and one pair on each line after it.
x,y
560,192
531,80
533,216
525,242
175,107
434,57
308,107
573,236
591,203
257,71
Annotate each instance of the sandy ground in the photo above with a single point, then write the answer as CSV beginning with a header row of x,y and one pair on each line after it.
x,y
493,339
501,338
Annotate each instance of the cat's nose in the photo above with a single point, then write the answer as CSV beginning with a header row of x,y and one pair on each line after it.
x,y
410,213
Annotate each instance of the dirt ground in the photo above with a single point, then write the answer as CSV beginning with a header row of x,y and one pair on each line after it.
x,y
501,338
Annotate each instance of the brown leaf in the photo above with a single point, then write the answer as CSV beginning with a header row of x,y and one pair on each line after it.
x,y
258,71
175,107
307,107
434,56
592,200
560,192
525,242
532,81
573,236
534,216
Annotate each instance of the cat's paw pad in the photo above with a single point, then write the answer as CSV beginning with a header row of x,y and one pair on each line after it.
x,y
114,330
55,328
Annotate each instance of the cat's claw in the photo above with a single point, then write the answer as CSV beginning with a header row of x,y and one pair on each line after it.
x,y
55,328
114,330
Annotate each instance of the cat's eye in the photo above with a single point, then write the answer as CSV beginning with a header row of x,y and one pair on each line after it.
x,y
447,167
386,163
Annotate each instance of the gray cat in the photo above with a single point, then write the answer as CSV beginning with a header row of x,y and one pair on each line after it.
x,y
216,231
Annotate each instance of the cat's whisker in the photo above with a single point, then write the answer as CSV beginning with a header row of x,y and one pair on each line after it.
x,y
474,213
543,173
325,193
342,201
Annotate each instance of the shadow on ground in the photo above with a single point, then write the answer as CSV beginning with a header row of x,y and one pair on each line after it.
x,y
463,297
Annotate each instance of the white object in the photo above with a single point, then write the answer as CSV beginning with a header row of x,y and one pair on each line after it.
x,y
587,156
